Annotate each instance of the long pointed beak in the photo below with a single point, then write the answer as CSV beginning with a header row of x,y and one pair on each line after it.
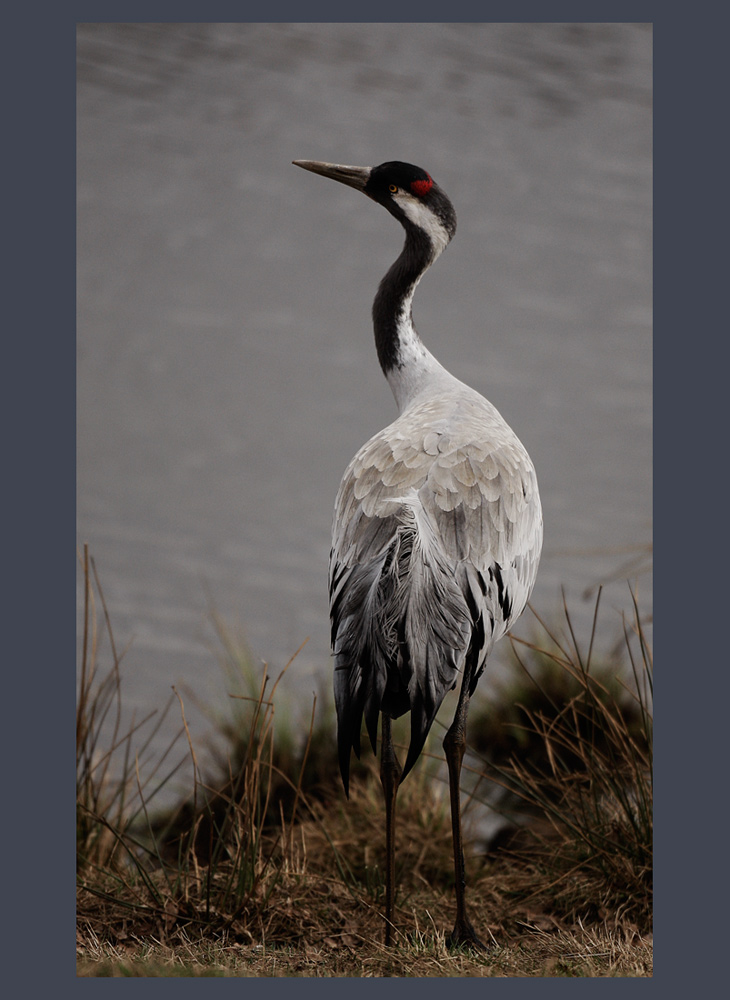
x,y
356,177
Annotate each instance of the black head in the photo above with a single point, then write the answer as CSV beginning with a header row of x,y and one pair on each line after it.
x,y
387,179
408,192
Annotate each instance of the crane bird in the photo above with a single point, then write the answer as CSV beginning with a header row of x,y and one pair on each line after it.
x,y
436,534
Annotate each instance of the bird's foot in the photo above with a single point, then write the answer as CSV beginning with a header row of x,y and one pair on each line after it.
x,y
464,936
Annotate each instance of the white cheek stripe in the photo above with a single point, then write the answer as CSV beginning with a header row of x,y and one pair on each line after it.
x,y
422,217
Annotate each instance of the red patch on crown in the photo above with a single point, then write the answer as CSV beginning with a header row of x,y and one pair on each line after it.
x,y
421,187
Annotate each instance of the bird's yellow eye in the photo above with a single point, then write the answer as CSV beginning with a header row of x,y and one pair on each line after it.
x,y
392,188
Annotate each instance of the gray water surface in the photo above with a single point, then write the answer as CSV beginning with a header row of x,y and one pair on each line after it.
x,y
226,366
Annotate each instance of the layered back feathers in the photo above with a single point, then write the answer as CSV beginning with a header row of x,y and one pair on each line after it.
x,y
435,544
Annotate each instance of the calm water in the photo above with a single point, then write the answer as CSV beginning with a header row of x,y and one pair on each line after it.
x,y
226,369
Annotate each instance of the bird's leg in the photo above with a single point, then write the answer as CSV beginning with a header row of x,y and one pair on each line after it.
x,y
454,745
390,772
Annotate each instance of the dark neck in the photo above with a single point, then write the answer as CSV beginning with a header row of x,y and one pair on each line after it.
x,y
391,308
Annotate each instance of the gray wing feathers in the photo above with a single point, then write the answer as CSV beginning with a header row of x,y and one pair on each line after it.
x,y
436,538
400,632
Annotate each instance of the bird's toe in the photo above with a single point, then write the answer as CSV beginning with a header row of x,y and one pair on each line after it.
x,y
464,936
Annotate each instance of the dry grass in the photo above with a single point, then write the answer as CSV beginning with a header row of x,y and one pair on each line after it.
x,y
578,763
266,870
583,953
